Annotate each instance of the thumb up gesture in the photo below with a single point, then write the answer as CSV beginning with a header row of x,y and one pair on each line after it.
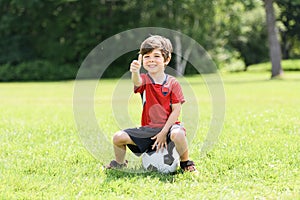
x,y
135,65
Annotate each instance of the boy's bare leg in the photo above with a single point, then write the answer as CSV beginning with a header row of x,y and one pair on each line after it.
x,y
184,156
120,152
179,139
120,140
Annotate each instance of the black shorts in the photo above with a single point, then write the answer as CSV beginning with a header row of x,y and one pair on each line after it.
x,y
142,138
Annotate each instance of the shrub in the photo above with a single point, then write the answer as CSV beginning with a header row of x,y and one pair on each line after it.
x,y
38,70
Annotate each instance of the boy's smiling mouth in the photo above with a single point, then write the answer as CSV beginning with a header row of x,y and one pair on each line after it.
x,y
151,66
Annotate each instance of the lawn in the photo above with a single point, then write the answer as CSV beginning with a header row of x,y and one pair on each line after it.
x,y
257,155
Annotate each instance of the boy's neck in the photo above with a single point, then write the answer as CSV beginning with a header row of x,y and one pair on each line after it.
x,y
158,78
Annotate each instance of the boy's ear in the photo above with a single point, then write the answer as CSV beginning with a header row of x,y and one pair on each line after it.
x,y
168,59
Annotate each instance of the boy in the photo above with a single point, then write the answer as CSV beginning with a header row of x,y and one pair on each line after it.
x,y
162,98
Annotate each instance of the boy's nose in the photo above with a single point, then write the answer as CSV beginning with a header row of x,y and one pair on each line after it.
x,y
151,59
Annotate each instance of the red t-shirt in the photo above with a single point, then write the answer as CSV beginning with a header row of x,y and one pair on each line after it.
x,y
158,99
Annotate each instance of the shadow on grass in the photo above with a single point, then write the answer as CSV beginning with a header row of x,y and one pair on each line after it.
x,y
113,175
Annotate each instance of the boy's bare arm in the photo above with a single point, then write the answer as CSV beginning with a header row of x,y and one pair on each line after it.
x,y
176,109
136,79
135,67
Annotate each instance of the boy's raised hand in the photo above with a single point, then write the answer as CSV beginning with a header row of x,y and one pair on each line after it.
x,y
135,65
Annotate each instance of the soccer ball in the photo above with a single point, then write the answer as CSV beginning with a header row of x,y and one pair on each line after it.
x,y
165,161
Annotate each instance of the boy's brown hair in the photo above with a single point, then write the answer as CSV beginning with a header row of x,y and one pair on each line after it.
x,y
157,42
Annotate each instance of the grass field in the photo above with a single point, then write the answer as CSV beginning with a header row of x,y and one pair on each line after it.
x,y
257,156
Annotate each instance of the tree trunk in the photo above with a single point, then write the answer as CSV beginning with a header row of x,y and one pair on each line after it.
x,y
181,55
180,67
286,46
274,47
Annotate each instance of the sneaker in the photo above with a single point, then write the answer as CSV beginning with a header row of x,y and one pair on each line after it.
x,y
188,166
115,165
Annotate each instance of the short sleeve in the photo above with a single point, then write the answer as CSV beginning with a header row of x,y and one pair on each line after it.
x,y
177,94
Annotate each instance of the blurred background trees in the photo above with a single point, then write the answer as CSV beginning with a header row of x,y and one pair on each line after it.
x,y
48,40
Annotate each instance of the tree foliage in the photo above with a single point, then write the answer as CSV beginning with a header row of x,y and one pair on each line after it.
x,y
289,18
62,32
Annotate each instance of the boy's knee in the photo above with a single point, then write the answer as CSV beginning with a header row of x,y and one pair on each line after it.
x,y
177,134
120,137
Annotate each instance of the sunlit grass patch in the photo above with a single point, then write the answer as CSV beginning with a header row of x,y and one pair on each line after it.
x,y
257,155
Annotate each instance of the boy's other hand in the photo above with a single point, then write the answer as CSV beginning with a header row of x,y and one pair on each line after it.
x,y
160,141
135,65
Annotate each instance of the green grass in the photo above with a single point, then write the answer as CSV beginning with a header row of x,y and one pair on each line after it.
x,y
257,156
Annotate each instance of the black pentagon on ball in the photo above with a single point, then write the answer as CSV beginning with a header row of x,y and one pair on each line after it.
x,y
168,159
151,168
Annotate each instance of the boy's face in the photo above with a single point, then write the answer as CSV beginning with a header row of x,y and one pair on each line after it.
x,y
154,61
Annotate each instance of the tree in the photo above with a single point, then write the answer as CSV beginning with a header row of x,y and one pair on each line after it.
x,y
289,16
182,16
274,47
